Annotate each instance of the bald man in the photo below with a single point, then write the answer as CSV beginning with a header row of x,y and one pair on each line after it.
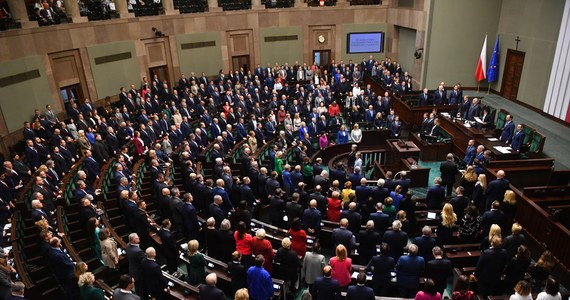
x,y
496,189
209,291
327,288
151,278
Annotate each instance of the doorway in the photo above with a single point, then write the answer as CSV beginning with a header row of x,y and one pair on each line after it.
x,y
241,61
322,58
512,74
70,94
161,72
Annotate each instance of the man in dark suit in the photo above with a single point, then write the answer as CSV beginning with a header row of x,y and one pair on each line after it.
x,y
62,266
409,267
209,291
396,239
493,216
17,291
367,239
293,209
490,267
353,217
152,281
448,171
435,195
312,219
425,243
424,98
216,211
440,96
470,152
381,265
360,291
496,189
439,269
92,168
191,224
459,202
343,236
508,130
169,248
474,110
518,138
327,288
135,256
381,220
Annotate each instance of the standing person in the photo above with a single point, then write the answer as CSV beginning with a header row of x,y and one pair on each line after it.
x,y
259,281
289,265
551,290
516,268
479,191
261,246
341,266
135,256
86,288
367,239
439,270
209,291
108,249
298,238
152,281
326,287
429,292
448,170
522,291
496,189
409,268
237,272
461,289
360,291
125,289
243,243
381,266
490,267
195,267
312,267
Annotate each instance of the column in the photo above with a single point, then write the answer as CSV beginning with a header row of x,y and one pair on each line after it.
x,y
72,11
213,6
256,4
20,14
123,9
168,7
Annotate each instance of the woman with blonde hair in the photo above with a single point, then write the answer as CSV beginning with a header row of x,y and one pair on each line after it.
x,y
356,133
341,266
241,294
279,162
389,208
297,122
468,181
196,264
86,288
508,207
447,225
82,142
347,191
478,196
401,216
494,231
522,291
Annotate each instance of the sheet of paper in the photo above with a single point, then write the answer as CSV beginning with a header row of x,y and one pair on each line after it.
x,y
493,139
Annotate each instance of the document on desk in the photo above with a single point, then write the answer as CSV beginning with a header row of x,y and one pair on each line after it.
x,y
478,120
355,274
493,139
503,149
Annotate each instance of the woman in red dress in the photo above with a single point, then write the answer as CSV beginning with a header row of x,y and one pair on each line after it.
x,y
298,238
259,245
335,205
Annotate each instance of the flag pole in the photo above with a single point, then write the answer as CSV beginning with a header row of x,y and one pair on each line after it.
x,y
488,88
478,83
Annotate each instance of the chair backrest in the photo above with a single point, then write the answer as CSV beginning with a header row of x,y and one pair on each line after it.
x,y
528,133
536,143
501,118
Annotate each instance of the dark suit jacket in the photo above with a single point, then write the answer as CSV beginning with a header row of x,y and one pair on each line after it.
x,y
135,256
217,213
382,266
397,240
238,273
381,222
312,219
435,197
367,244
357,292
343,236
62,265
491,217
439,270
208,292
151,277
448,171
409,269
518,139
490,265
508,132
425,245
327,289
495,191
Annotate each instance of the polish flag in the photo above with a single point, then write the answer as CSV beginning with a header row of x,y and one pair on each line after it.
x,y
482,63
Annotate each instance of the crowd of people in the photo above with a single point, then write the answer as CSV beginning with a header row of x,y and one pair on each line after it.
x,y
288,108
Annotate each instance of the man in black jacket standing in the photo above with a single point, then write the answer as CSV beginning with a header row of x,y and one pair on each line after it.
x,y
448,171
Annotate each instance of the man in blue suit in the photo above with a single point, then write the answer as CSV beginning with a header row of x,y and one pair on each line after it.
x,y
496,189
382,266
191,224
343,236
409,267
135,256
435,195
425,243
381,220
474,110
470,153
508,130
92,167
424,98
518,138
62,266
312,218
32,155
327,288
227,205
360,291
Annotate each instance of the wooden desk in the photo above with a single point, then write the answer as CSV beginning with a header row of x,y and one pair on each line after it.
x,y
461,134
431,151
397,151
496,153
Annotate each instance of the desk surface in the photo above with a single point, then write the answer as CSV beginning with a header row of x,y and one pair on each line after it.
x,y
409,147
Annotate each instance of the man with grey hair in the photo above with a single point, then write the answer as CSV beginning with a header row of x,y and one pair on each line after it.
x,y
380,219
216,211
409,268
135,256
425,243
367,239
448,170
439,269
379,193
343,236
396,239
